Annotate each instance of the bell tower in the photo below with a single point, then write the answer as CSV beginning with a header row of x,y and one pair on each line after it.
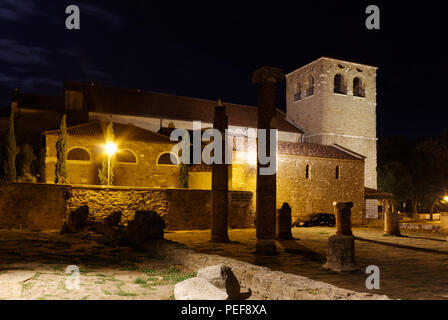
x,y
335,102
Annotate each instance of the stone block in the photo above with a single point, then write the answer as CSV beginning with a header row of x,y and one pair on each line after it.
x,y
283,225
223,278
198,289
146,226
341,253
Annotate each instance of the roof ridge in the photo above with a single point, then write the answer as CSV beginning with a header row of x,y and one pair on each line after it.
x,y
353,153
168,94
76,125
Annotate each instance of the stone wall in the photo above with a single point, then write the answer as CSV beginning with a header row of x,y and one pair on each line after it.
x,y
144,173
330,117
262,281
182,209
43,207
33,206
313,195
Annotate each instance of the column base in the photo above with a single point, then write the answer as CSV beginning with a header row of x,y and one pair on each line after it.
x,y
219,239
266,246
341,254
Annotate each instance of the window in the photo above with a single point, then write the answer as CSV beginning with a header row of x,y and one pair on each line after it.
x,y
298,94
307,171
358,89
79,154
165,159
126,156
310,90
337,172
339,86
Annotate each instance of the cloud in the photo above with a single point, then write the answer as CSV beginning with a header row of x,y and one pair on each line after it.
x,y
27,83
17,10
15,53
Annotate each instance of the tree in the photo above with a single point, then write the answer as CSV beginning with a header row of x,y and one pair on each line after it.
x,y
430,172
40,170
414,170
183,175
11,152
25,159
61,171
103,172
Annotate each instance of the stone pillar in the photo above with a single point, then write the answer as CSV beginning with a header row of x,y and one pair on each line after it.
x,y
343,213
341,246
283,225
266,79
391,222
341,253
220,186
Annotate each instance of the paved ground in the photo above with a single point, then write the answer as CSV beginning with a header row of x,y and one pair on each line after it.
x,y
412,267
33,266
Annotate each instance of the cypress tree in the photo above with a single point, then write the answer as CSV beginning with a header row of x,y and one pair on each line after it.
x,y
11,152
183,175
41,164
61,172
24,161
102,173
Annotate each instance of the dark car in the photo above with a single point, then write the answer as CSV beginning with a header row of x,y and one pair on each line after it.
x,y
317,219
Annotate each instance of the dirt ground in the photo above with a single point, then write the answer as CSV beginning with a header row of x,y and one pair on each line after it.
x,y
411,267
33,265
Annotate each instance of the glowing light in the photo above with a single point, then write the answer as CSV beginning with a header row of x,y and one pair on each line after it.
x,y
445,198
111,148
251,158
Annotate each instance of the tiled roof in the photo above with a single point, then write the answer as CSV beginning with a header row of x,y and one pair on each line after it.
x,y
300,149
315,150
103,99
370,193
121,131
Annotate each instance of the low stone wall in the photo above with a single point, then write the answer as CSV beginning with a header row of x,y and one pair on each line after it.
x,y
182,209
33,206
264,282
43,206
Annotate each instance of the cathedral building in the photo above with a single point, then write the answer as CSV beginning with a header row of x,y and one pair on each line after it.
x,y
326,137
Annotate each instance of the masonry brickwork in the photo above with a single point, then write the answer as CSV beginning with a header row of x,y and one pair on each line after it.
x,y
330,117
44,206
145,172
314,194
32,206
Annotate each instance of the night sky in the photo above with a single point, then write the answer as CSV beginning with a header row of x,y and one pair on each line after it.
x,y
210,49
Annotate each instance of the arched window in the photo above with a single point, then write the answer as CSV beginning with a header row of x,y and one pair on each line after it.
x,y
358,89
79,154
165,159
310,90
337,172
339,86
126,156
307,171
298,94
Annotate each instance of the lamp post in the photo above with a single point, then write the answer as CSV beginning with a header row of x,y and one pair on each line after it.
x,y
111,148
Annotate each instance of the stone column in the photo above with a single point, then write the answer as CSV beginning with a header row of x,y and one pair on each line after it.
x,y
391,222
343,213
341,246
220,186
266,79
283,225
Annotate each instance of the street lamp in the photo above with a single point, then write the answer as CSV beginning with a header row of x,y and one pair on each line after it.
x,y
111,148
